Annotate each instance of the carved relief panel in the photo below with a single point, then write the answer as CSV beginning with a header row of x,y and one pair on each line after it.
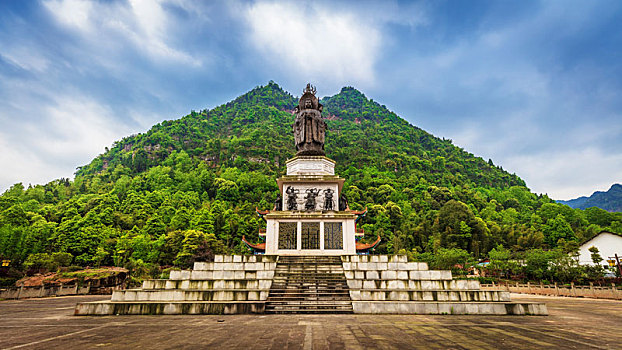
x,y
310,197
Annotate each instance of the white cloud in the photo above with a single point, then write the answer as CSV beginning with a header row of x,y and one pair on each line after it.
x,y
70,131
567,174
314,42
21,56
145,24
74,13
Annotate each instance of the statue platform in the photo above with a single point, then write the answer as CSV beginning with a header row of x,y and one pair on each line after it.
x,y
365,284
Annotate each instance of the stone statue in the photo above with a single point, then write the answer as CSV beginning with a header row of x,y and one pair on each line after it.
x,y
343,202
278,204
328,199
292,196
310,198
309,127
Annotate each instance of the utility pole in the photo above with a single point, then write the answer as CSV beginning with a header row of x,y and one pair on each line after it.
x,y
618,263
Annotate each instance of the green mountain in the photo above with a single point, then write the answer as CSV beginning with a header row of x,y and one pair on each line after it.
x,y
610,200
190,186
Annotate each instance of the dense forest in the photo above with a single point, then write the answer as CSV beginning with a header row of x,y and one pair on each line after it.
x,y
190,186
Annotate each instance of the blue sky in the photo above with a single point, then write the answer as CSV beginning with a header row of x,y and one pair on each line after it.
x,y
536,86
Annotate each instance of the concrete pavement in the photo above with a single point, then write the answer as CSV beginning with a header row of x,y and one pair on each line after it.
x,y
573,323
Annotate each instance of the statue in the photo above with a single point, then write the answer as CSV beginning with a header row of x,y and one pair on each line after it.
x,y
278,204
343,202
309,127
292,196
328,199
310,198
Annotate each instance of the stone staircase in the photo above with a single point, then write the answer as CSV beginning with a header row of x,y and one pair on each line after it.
x,y
309,284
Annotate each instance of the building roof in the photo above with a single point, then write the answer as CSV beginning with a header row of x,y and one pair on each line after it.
x,y
608,244
365,247
605,233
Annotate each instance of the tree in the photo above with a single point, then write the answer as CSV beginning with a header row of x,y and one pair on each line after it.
x,y
452,259
557,229
40,261
595,255
501,263
62,258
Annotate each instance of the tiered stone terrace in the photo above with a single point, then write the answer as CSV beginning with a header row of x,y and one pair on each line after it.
x,y
230,285
381,284
368,284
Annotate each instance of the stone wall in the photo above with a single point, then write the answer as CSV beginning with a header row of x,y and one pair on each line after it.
x,y
43,291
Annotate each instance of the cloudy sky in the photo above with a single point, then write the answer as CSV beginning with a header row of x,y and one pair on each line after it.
x,y
536,86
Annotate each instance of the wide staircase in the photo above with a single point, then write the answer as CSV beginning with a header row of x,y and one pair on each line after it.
x,y
309,284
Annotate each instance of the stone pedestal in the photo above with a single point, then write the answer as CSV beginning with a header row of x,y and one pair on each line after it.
x,y
310,226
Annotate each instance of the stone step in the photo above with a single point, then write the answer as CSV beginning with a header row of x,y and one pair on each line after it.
x,y
308,292
220,274
273,299
374,258
309,279
286,258
305,270
314,274
310,263
448,308
303,302
415,285
402,275
299,263
308,311
313,286
234,266
208,284
300,308
170,308
439,295
245,258
384,266
188,295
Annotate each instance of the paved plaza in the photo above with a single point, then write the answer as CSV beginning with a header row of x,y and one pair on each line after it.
x,y
49,324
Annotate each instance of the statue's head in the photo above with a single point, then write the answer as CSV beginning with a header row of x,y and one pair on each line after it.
x,y
308,100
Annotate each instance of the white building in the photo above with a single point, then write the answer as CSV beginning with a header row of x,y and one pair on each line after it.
x,y
608,245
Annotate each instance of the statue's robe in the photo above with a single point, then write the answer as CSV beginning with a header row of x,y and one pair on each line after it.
x,y
309,128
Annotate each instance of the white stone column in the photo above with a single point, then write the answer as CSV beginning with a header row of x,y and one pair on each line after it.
x,y
299,236
346,236
322,235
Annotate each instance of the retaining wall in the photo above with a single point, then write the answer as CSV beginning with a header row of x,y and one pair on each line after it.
x,y
43,291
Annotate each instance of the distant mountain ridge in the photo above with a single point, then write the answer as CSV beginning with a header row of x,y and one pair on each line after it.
x,y
610,200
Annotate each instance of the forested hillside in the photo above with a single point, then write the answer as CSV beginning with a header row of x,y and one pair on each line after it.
x,y
190,186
